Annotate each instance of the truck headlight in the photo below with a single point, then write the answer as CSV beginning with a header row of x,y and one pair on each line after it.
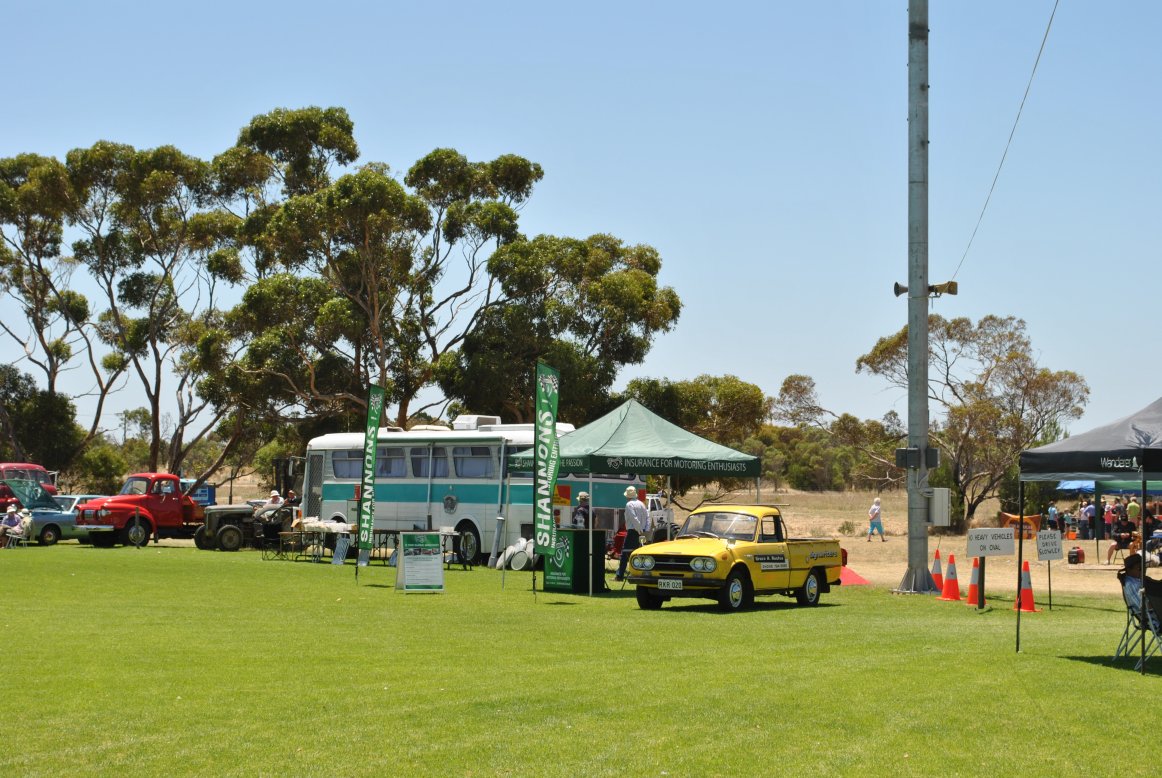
x,y
644,562
703,564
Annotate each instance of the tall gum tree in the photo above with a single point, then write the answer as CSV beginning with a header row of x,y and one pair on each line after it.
x,y
997,400
588,307
54,329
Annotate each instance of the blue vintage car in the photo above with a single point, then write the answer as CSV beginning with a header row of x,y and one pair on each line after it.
x,y
49,522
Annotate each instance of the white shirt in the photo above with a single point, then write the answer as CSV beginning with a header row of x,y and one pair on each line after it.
x,y
637,516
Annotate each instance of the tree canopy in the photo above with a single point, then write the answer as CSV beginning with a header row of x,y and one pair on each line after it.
x,y
274,283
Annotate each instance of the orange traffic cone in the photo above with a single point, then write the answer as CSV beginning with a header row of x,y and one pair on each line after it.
x,y
1024,601
974,583
951,585
937,577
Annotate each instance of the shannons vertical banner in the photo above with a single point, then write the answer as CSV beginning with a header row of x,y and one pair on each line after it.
x,y
546,458
367,491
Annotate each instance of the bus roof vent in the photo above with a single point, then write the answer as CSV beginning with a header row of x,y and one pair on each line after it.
x,y
472,421
429,428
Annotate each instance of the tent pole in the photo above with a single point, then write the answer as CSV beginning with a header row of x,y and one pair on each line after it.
x,y
589,532
1142,552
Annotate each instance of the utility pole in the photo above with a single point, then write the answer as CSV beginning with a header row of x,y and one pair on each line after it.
x,y
917,579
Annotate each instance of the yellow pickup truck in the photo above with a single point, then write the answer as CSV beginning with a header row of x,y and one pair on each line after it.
x,y
730,553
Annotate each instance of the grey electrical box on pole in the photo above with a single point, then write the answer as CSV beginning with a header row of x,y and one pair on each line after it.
x,y
940,507
917,579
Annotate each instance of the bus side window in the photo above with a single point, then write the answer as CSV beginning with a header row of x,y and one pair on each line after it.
x,y
439,460
390,463
473,461
347,463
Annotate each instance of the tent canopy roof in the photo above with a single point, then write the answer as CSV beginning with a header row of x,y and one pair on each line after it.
x,y
1127,449
633,439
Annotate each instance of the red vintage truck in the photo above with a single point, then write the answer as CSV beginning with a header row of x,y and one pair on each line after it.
x,y
148,503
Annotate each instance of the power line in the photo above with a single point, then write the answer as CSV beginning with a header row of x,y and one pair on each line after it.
x,y
1012,132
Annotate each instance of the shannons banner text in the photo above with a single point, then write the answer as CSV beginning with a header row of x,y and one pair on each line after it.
x,y
546,457
367,492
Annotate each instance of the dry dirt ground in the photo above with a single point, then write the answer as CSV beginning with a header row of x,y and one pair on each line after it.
x,y
883,564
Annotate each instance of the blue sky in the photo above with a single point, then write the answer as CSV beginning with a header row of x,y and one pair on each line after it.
x,y
760,146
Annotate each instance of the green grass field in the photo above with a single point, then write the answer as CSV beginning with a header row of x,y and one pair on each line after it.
x,y
163,661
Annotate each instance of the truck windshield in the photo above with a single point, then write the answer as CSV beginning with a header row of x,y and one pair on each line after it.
x,y
135,486
732,526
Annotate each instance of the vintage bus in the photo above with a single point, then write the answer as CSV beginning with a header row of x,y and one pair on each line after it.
x,y
431,477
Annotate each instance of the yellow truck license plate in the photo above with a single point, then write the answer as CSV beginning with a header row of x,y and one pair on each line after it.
x,y
669,583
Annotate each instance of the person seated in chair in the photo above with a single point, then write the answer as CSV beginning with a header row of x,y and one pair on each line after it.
x,y
1132,582
1122,537
10,526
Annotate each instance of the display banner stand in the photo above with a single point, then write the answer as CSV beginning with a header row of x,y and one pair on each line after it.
x,y
419,563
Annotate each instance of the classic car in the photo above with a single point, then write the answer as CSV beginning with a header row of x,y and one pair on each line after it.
x,y
49,522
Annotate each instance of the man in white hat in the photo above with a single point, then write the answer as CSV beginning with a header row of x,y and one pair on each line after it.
x,y
581,512
10,525
637,523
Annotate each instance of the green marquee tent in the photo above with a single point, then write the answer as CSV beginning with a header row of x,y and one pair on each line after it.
x,y
633,439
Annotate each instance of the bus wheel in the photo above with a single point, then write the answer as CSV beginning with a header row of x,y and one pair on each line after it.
x,y
469,542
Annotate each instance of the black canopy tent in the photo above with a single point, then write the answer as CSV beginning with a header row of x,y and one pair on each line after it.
x,y
1127,449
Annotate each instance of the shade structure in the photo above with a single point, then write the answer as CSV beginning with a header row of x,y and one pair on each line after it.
x,y
633,439
1129,449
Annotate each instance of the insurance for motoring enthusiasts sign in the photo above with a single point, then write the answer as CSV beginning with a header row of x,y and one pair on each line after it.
x,y
546,458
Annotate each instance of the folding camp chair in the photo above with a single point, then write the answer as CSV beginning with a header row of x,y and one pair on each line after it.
x,y
1134,634
18,535
1154,627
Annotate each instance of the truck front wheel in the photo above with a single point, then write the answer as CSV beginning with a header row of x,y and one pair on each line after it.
x,y
647,600
809,593
229,538
136,533
738,593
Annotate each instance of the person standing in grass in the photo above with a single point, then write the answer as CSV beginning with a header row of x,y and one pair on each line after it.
x,y
875,521
637,523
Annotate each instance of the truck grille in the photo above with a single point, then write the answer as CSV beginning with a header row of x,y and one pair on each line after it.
x,y
671,563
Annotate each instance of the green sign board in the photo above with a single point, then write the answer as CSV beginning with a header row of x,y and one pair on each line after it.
x,y
559,564
420,565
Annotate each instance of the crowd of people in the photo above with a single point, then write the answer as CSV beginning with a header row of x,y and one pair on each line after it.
x,y
1125,522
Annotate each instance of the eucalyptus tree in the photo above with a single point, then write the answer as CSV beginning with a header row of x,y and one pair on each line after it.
x,y
50,320
589,307
145,234
380,279
996,400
